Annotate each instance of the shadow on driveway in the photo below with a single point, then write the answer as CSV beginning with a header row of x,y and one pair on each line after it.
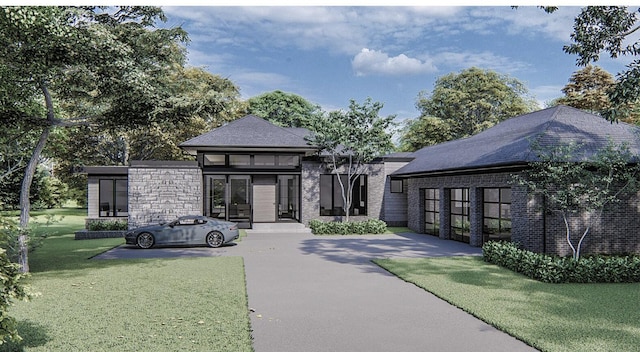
x,y
133,252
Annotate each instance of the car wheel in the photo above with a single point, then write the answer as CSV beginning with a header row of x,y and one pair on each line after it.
x,y
145,240
215,239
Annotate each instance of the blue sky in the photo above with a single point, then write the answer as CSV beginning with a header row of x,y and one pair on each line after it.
x,y
330,54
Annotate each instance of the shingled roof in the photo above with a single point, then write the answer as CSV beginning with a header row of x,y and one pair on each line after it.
x,y
509,142
250,132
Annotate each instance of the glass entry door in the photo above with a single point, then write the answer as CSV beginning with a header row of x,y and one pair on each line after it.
x,y
216,197
289,197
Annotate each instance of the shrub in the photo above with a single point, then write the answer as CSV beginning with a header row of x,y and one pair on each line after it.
x,y
553,269
12,288
9,233
371,226
110,225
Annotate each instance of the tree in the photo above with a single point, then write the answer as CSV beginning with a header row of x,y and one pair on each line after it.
x,y
578,186
587,89
348,140
99,65
610,29
424,131
284,109
474,100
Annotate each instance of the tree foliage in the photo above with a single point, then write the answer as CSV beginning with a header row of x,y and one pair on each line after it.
x,y
579,186
424,131
64,66
284,109
474,100
588,89
348,140
610,29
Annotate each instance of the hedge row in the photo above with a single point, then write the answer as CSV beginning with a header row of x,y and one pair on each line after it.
x,y
371,226
110,225
553,269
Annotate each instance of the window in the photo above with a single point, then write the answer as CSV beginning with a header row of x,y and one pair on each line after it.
x,y
113,198
264,160
331,202
460,224
214,159
397,186
239,160
432,211
289,160
496,214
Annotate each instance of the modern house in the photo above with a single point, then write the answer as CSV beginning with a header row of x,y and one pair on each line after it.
x,y
463,190
251,171
248,171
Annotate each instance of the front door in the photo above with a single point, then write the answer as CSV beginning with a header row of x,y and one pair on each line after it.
x,y
264,202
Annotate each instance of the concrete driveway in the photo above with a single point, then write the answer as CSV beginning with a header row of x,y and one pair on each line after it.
x,y
315,293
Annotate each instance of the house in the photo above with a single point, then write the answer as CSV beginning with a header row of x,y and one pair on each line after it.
x,y
462,190
251,171
248,171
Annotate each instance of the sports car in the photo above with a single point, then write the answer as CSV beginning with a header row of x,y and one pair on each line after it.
x,y
186,230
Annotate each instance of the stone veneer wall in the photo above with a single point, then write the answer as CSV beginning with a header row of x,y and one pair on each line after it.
x,y
531,227
311,171
162,191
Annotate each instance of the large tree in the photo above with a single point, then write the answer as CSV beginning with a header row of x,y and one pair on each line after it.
x,y
284,109
65,66
349,140
611,30
424,131
588,89
474,100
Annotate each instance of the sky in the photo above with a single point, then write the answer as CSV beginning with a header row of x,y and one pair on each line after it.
x,y
332,54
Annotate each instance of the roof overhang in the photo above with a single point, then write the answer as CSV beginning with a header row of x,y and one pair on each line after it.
x,y
465,171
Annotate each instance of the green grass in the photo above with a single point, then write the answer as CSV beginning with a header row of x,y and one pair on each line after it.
x,y
550,317
189,304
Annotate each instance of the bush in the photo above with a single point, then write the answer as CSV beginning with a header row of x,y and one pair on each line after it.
x,y
371,226
553,269
12,288
111,225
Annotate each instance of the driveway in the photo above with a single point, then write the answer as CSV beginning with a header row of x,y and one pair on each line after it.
x,y
315,293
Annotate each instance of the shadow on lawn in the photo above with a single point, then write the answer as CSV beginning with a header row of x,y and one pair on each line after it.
x,y
33,335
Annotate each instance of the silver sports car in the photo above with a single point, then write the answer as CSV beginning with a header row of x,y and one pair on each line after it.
x,y
191,229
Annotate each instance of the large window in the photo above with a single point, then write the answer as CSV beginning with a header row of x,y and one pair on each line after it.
x,y
460,224
432,211
113,198
331,202
215,193
496,214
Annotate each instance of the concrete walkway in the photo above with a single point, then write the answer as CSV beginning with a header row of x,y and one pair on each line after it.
x,y
322,293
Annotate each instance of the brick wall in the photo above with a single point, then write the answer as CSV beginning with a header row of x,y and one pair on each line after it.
x,y
394,205
539,231
311,171
160,192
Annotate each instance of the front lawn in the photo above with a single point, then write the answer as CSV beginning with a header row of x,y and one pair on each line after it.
x,y
550,317
190,304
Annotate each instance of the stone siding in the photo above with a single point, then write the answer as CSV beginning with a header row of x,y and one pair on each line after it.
x,y
162,192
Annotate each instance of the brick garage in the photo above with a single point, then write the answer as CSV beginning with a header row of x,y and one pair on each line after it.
x,y
489,159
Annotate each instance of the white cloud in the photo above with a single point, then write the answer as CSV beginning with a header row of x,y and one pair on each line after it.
x,y
372,62
484,60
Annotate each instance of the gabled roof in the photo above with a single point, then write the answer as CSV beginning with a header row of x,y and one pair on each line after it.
x,y
509,142
250,132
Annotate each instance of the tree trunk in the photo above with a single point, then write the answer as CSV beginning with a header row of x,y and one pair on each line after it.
x,y
29,172
25,204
